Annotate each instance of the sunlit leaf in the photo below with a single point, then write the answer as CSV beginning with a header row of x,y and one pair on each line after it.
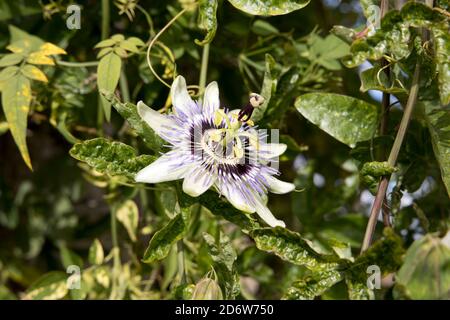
x,y
207,20
110,157
96,253
11,59
8,72
33,73
108,74
129,112
51,286
313,285
128,214
40,58
345,118
269,7
16,98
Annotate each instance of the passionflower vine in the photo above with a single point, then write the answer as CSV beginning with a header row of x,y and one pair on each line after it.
x,y
215,148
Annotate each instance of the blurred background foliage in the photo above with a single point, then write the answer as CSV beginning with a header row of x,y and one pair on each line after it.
x,y
88,213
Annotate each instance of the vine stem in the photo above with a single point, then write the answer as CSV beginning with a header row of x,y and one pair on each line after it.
x,y
203,70
385,102
104,35
392,160
72,64
149,62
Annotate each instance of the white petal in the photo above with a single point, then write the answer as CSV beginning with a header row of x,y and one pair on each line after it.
x,y
153,118
271,150
197,182
267,216
211,98
181,100
237,199
278,186
166,168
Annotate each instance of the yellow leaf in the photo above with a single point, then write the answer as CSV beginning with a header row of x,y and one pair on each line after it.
x,y
33,73
16,98
49,49
39,58
19,46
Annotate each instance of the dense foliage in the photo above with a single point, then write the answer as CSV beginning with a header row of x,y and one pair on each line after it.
x,y
362,106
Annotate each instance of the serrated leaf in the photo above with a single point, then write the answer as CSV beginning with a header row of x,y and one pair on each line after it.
x,y
16,98
8,72
11,59
207,20
108,74
128,111
96,253
345,118
51,286
269,7
33,73
128,214
438,122
425,273
290,246
110,157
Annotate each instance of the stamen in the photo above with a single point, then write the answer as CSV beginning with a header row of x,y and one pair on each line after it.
x,y
255,101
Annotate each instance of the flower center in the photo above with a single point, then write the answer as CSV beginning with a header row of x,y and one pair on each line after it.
x,y
223,146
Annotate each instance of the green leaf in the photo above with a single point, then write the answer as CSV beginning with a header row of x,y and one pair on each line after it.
x,y
438,121
16,98
358,290
96,253
425,273
217,206
346,119
161,242
224,257
108,74
11,59
128,111
394,35
441,38
129,46
51,286
386,253
263,28
376,79
207,20
33,73
290,246
269,7
105,43
8,72
327,51
110,157
136,41
269,87
128,214
69,258
312,286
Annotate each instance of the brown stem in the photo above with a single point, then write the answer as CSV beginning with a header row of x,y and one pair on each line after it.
x,y
392,160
